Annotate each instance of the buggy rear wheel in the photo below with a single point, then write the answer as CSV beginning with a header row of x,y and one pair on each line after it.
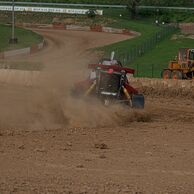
x,y
138,101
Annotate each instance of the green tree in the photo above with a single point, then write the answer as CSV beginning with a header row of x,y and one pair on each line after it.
x,y
132,6
167,2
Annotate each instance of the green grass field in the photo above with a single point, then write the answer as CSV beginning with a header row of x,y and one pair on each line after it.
x,y
25,38
157,59
150,64
154,61
146,29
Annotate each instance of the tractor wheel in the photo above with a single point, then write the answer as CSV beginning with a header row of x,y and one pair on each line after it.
x,y
177,75
190,75
166,74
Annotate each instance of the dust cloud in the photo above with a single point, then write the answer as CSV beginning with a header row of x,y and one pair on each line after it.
x,y
48,104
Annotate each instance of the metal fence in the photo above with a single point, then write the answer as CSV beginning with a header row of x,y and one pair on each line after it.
x,y
130,55
147,70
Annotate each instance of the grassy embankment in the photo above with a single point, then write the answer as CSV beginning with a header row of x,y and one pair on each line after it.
x,y
155,60
25,37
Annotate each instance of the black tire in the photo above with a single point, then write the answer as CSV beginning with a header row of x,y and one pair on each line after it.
x,y
138,101
167,74
176,74
189,75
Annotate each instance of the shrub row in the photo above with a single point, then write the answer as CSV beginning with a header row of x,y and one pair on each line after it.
x,y
143,2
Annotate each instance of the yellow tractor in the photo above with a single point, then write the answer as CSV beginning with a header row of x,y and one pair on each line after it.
x,y
182,67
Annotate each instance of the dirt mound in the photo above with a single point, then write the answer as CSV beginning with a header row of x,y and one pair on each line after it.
x,y
165,88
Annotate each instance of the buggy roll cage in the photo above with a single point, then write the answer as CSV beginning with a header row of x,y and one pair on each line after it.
x,y
114,67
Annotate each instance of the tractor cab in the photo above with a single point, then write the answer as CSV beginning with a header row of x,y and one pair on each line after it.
x,y
191,59
191,54
186,58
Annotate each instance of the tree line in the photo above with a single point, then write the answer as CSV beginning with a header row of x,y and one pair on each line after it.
x,y
132,4
124,2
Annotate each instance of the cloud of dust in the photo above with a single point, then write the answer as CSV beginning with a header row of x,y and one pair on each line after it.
x,y
69,111
81,113
49,104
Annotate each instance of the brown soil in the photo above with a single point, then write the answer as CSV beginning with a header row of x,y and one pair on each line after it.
x,y
51,143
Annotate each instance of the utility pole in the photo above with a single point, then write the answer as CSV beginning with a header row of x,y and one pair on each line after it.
x,y
13,39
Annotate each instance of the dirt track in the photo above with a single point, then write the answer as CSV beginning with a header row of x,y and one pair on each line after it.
x,y
52,144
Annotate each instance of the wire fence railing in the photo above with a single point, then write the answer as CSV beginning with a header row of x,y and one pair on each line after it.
x,y
130,55
147,70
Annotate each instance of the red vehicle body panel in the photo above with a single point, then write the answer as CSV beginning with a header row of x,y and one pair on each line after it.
x,y
83,85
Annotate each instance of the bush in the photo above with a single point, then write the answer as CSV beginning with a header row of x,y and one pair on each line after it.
x,y
165,18
91,13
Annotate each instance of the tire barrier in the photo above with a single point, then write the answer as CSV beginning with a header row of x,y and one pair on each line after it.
x,y
96,28
59,26
93,28
187,28
77,28
24,51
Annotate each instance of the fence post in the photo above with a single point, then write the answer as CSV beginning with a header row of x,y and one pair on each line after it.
x,y
124,59
152,70
137,70
149,44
